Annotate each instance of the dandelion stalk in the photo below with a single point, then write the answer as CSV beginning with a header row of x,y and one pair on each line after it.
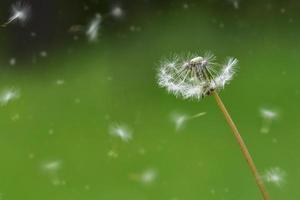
x,y
243,146
196,77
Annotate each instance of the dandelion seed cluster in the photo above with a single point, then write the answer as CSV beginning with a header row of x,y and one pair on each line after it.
x,y
195,76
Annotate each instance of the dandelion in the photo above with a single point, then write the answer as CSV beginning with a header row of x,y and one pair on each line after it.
x,y
8,95
112,154
51,168
60,82
235,3
196,77
121,131
117,12
275,176
19,12
43,54
12,61
93,28
268,117
180,119
146,177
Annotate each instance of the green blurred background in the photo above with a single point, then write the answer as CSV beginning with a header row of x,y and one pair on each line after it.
x,y
55,141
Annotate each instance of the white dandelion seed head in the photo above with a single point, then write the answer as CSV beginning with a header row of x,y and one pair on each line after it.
x,y
275,176
93,27
121,131
194,76
268,114
20,11
8,95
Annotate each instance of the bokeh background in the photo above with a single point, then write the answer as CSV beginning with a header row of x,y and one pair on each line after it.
x,y
55,137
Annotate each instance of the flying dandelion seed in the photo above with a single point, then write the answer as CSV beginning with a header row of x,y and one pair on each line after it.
x,y
117,12
121,131
60,82
43,54
51,168
8,95
275,176
92,31
268,117
112,154
196,77
235,3
146,177
19,12
185,6
180,119
15,117
12,61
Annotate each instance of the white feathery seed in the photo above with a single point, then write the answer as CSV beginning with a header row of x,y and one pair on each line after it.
x,y
52,166
195,76
235,3
148,176
268,117
268,114
121,131
275,176
8,95
117,12
180,119
19,12
145,177
12,61
92,31
227,73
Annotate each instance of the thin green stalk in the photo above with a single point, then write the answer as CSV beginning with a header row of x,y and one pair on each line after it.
x,y
243,147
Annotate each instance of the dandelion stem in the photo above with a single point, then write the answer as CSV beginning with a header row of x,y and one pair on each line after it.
x,y
243,147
